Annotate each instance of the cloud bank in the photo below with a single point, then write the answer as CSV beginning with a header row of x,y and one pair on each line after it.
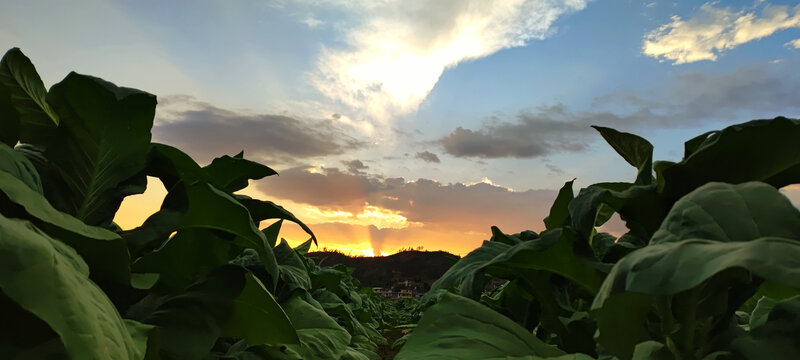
x,y
715,30
690,98
396,50
405,210
205,132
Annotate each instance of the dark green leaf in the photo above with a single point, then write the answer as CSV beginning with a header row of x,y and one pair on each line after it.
x,y
763,150
49,279
303,248
459,328
559,211
670,268
291,267
17,165
777,337
232,173
726,212
641,207
184,258
27,94
102,143
320,336
186,206
104,250
262,210
258,318
634,149
9,119
191,322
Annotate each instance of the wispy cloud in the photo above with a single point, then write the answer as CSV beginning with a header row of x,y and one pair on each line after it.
x,y
396,50
715,30
794,43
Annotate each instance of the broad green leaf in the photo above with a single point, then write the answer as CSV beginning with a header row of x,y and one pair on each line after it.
x,y
186,206
258,318
320,336
691,146
459,328
651,350
634,149
146,337
271,232
673,267
262,210
468,272
554,254
621,323
726,212
303,248
232,173
777,337
353,354
762,150
497,235
191,322
9,119
551,252
760,313
173,166
184,258
659,167
20,167
640,206
100,147
27,95
291,267
104,250
559,211
49,279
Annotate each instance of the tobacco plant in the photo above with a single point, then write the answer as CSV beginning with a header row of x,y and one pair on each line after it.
x,y
709,267
197,280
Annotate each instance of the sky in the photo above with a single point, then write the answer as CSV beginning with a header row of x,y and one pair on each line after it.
x,y
405,123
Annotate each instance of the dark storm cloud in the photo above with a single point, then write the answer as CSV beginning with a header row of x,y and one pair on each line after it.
x,y
428,156
690,98
205,132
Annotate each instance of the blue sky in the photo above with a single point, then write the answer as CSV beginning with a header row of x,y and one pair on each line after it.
x,y
465,100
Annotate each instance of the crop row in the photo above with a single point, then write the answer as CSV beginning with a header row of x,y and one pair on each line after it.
x,y
197,280
708,269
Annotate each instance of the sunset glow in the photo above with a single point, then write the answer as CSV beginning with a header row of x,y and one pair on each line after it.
x,y
398,124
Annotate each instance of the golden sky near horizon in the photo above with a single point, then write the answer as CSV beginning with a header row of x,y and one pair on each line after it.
x,y
373,231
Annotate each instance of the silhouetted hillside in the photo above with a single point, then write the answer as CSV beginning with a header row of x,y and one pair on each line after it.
x,y
419,267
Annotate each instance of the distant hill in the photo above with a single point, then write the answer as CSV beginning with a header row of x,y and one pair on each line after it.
x,y
421,268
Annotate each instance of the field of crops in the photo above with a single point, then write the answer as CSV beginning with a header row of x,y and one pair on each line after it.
x,y
709,269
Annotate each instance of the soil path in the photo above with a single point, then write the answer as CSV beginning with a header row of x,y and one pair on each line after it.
x,y
385,351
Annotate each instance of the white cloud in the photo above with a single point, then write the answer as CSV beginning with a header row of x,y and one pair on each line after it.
x,y
794,43
312,22
396,50
715,30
